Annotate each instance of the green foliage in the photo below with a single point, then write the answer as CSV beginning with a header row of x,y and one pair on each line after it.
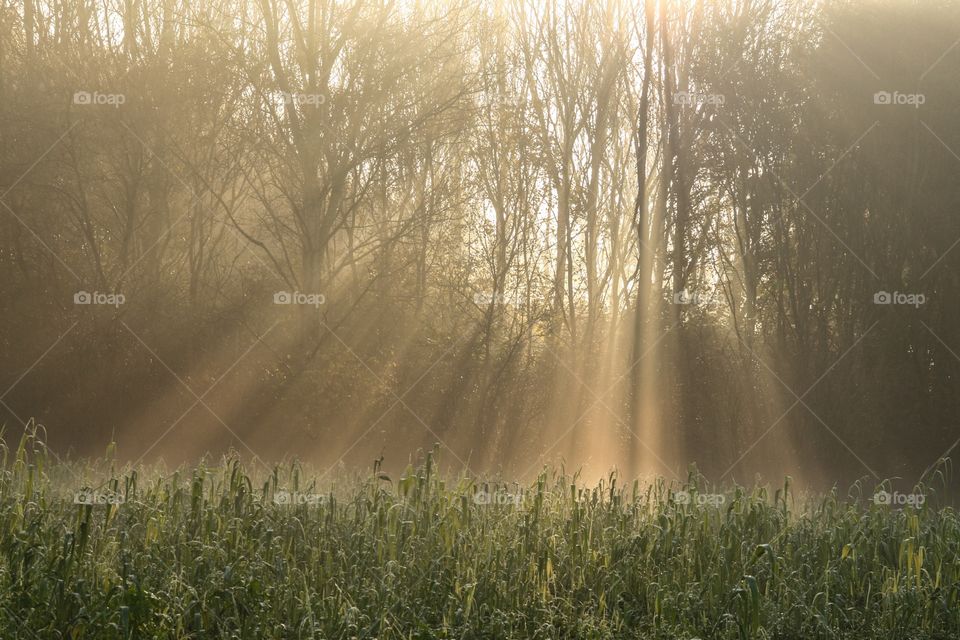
x,y
219,552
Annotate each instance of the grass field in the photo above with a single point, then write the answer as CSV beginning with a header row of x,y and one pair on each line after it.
x,y
222,552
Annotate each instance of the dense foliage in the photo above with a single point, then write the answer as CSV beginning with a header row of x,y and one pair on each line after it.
x,y
212,552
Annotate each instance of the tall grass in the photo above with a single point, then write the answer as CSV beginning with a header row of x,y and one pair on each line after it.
x,y
209,553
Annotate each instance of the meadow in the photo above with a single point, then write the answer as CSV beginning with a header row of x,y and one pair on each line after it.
x,y
226,551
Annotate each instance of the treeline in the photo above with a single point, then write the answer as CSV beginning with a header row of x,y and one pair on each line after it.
x,y
631,233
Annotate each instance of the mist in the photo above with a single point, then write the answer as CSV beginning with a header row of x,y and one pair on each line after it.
x,y
598,235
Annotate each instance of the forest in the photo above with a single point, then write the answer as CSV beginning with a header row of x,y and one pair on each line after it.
x,y
630,234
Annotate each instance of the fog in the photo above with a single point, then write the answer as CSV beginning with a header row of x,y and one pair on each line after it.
x,y
603,235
